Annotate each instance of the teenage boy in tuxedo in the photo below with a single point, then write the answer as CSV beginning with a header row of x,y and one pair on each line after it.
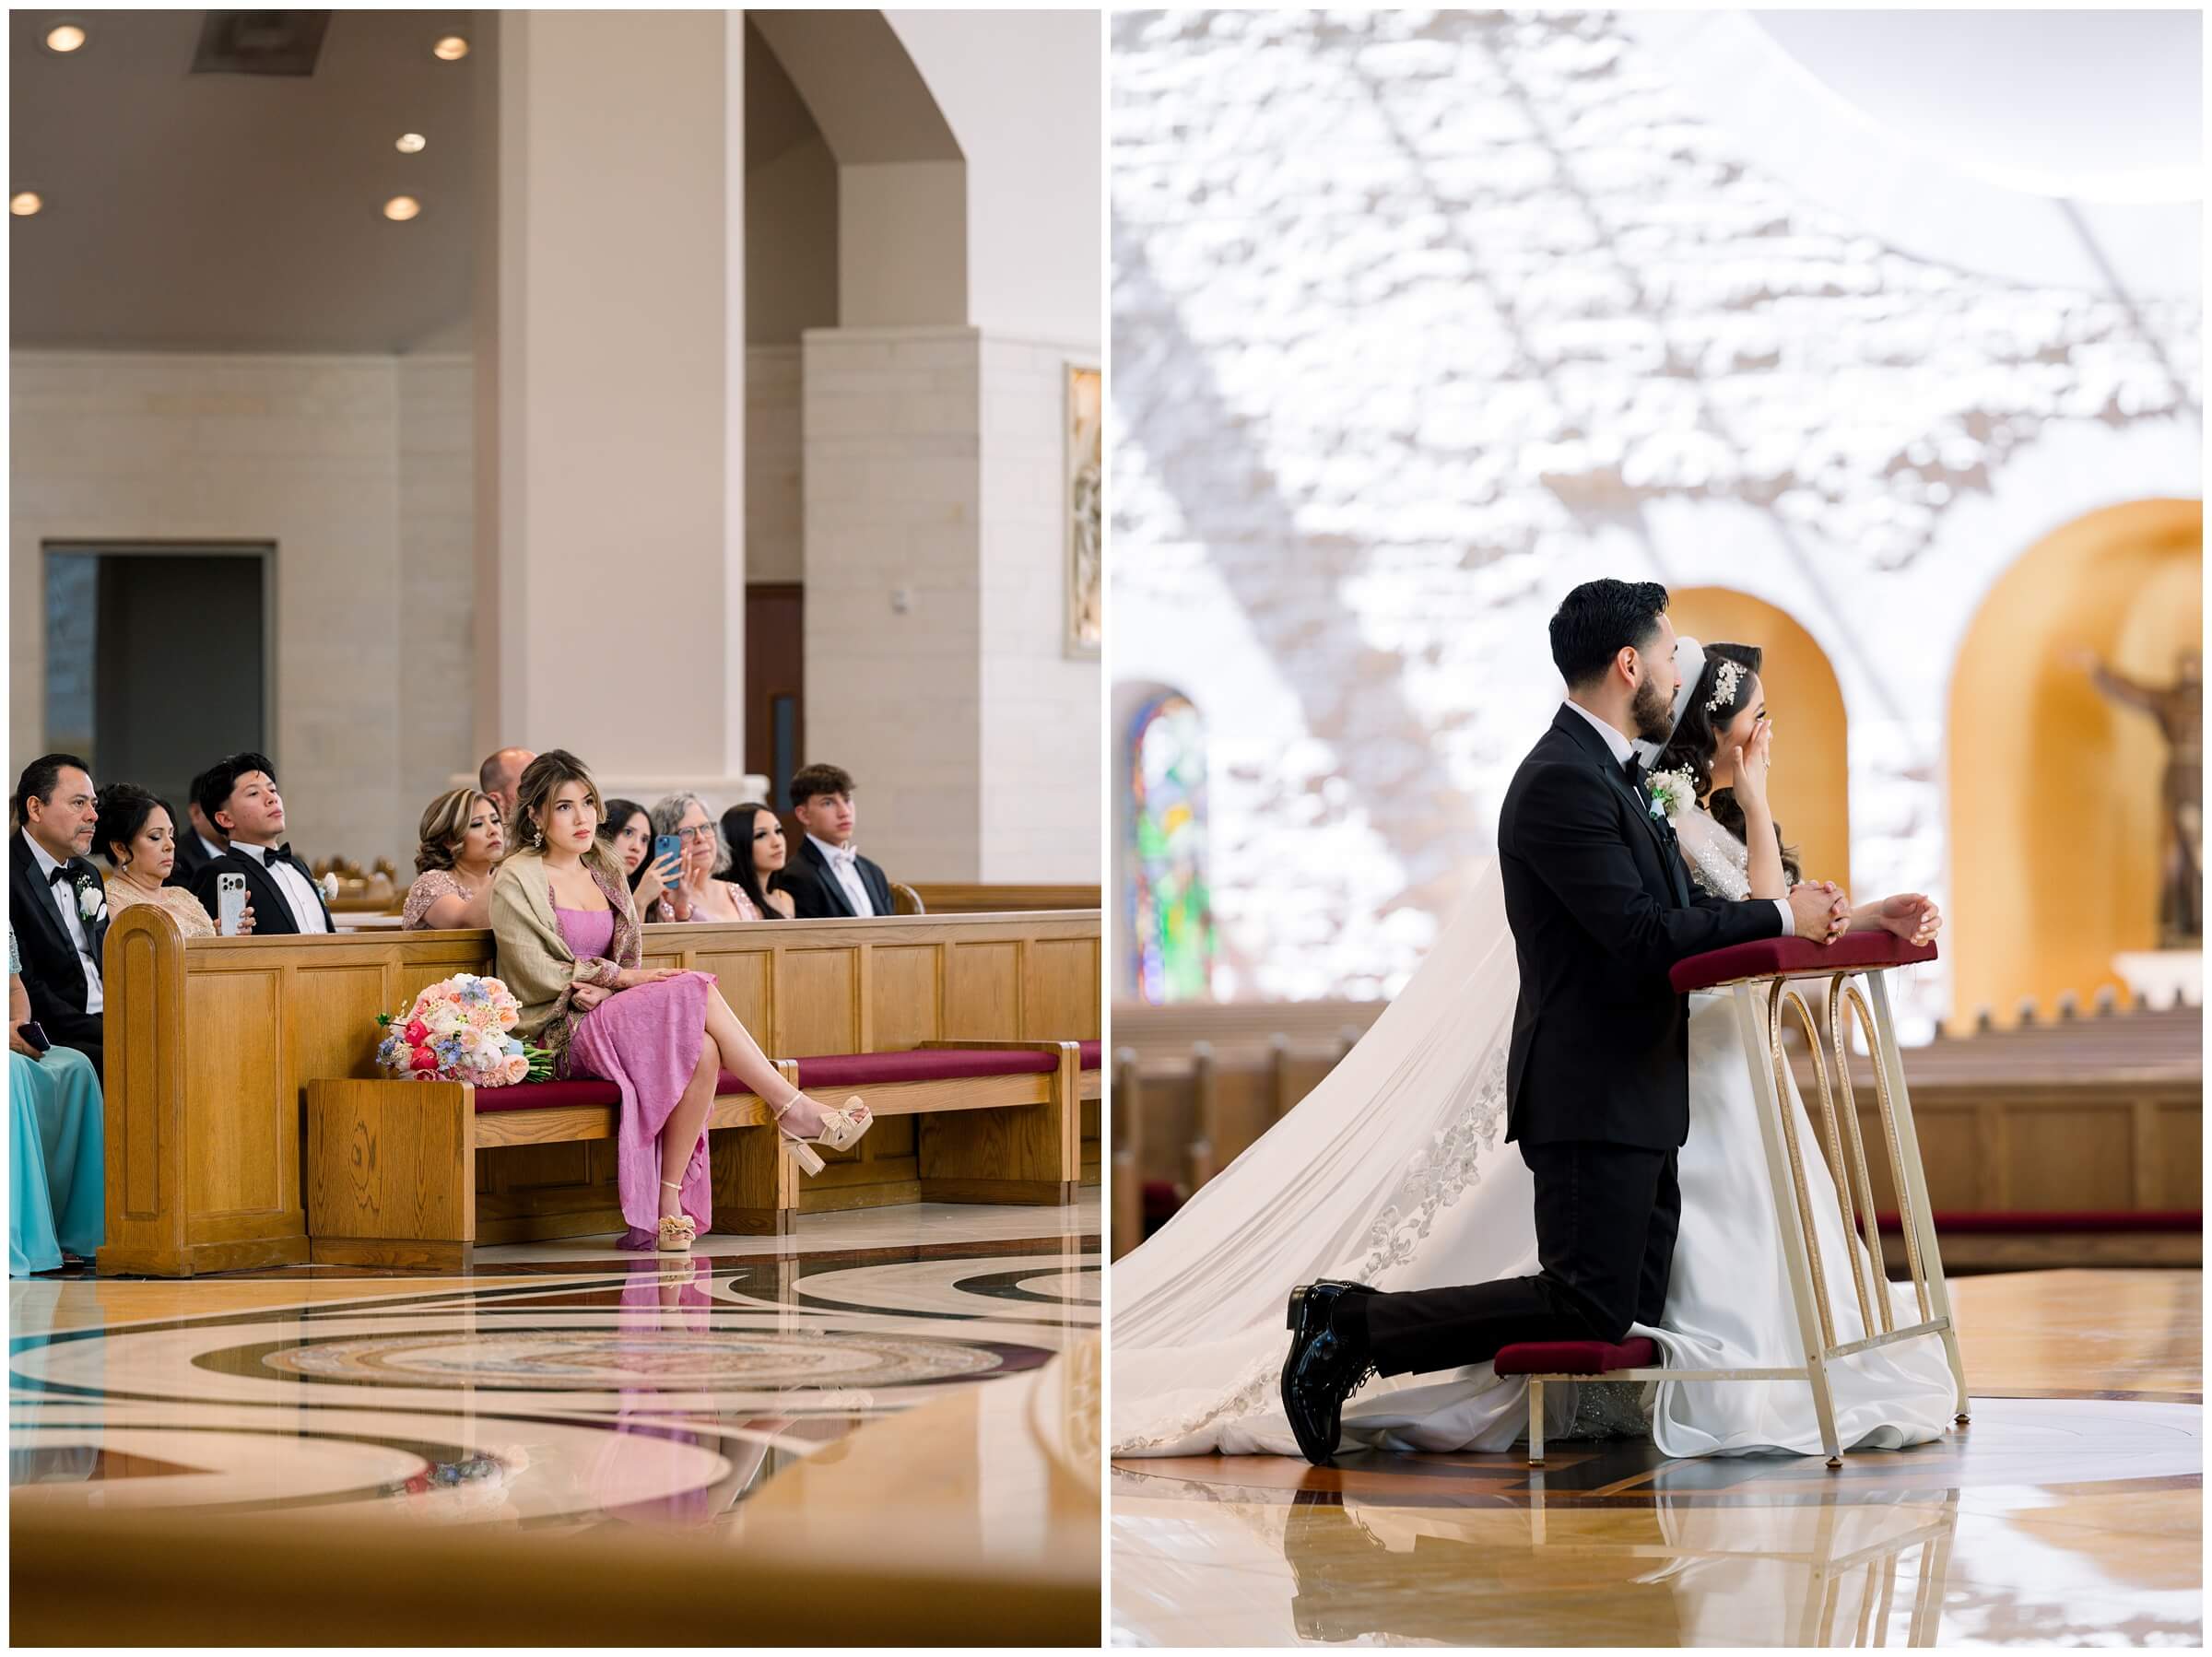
x,y
238,797
827,877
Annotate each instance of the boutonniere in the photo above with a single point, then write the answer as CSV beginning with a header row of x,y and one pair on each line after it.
x,y
330,886
92,900
1670,792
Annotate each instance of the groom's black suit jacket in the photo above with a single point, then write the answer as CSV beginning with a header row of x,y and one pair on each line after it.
x,y
1601,905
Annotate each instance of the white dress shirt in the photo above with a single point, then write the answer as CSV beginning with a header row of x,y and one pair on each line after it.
x,y
300,893
1620,748
213,849
95,996
845,863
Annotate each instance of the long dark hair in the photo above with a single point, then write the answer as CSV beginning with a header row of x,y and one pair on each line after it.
x,y
619,813
737,829
542,778
1692,746
123,809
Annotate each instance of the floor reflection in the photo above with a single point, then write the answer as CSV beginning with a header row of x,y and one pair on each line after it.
x,y
612,1391
2070,1512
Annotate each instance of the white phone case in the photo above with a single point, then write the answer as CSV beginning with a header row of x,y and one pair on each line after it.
x,y
230,903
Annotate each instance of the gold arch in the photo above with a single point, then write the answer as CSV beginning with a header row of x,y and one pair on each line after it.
x,y
2053,793
1811,782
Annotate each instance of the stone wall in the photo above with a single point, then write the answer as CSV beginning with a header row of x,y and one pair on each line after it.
x,y
357,468
1421,318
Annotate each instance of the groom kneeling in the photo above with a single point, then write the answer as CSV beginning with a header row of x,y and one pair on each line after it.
x,y
1598,1079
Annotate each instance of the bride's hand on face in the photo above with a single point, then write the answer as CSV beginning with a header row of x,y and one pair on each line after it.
x,y
1751,762
1912,916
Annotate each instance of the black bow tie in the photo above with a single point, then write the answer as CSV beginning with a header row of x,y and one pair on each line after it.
x,y
60,876
282,853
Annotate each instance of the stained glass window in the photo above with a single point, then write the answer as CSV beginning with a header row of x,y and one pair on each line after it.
x,y
1173,920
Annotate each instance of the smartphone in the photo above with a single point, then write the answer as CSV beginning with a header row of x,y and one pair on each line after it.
x,y
665,847
33,1036
230,904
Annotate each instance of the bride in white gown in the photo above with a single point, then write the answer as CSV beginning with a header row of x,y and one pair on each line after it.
x,y
1393,1172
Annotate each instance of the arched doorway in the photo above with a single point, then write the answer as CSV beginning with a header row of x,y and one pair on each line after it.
x,y
2055,831
1811,783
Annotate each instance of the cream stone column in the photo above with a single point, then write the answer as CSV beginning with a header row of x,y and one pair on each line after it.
x,y
611,396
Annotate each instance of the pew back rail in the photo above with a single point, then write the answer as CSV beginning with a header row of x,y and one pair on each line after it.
x,y
212,1043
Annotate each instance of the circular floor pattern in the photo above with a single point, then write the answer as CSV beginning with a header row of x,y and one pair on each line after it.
x,y
585,1360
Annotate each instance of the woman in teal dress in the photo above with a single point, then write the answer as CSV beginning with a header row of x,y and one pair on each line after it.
x,y
56,1154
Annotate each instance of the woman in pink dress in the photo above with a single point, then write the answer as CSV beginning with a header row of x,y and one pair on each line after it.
x,y
568,942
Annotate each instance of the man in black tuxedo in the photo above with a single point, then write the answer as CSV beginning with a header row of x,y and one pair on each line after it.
x,y
199,843
57,902
1597,1076
829,877
238,797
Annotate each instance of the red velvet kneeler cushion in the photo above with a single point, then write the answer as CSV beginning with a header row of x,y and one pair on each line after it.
x,y
1795,958
547,1096
1577,1357
922,1064
1089,1055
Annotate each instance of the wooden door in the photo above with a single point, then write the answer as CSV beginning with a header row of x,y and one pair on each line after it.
x,y
775,681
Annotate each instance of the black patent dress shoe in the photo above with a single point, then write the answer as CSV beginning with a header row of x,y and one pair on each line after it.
x,y
1323,1368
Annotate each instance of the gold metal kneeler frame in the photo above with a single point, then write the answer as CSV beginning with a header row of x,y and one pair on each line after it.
x,y
1759,1004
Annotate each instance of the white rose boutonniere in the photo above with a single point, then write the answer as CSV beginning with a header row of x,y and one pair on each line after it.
x,y
91,901
1670,792
330,886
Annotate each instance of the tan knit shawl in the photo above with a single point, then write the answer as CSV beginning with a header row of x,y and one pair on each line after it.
x,y
535,961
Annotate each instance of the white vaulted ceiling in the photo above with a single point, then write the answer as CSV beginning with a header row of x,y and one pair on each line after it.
x,y
238,212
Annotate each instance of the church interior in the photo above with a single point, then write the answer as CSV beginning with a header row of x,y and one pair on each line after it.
x,y
1880,347
713,396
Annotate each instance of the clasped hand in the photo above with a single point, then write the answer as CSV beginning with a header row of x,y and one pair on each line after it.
x,y
1821,911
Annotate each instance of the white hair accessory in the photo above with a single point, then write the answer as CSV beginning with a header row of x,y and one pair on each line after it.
x,y
1727,678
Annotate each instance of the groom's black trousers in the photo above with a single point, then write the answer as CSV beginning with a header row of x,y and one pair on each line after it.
x,y
1606,1216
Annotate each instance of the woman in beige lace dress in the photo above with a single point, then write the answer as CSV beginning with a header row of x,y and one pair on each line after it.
x,y
461,842
137,834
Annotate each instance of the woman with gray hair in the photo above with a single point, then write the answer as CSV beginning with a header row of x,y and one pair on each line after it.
x,y
697,895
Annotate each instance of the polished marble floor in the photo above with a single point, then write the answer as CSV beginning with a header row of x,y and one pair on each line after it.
x,y
572,1387
2070,1512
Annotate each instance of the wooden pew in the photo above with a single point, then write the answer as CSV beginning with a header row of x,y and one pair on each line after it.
x,y
958,898
2071,1142
212,1043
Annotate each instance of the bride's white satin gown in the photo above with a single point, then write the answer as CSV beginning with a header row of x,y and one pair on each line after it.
x,y
1729,1306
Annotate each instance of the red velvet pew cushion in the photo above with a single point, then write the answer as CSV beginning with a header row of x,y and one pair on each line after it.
x,y
547,1096
1089,1054
1796,958
1577,1357
922,1064
837,1070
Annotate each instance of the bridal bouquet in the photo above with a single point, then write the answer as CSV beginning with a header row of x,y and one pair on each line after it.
x,y
457,1031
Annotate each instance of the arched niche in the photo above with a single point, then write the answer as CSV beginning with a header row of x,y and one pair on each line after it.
x,y
1164,924
2055,826
1810,784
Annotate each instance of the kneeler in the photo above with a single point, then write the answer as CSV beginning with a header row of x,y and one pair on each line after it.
x,y
1756,977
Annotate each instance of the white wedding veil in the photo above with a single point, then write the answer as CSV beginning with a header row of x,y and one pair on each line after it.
x,y
1393,1172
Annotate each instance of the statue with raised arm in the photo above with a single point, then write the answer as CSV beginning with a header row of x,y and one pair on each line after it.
x,y
2179,710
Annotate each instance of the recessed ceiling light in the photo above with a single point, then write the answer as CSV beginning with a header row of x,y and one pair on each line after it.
x,y
24,202
409,143
451,48
64,37
402,208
